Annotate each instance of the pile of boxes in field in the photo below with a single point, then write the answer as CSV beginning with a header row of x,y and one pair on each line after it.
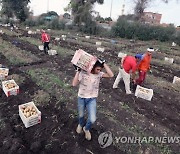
x,y
28,112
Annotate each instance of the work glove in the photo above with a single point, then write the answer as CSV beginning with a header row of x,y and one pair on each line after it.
x,y
101,61
78,69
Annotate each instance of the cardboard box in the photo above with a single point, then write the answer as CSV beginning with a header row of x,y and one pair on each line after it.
x,y
84,60
32,119
52,52
144,93
3,73
10,88
176,79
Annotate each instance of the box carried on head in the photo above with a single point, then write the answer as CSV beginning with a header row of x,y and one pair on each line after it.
x,y
84,60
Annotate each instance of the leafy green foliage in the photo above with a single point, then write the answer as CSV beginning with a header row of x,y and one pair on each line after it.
x,y
82,9
130,29
56,24
16,8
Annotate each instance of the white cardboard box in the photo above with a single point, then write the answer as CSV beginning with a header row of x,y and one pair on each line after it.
x,y
52,52
57,39
84,60
1,32
176,79
87,37
32,120
41,47
100,49
64,37
98,43
121,55
173,44
169,60
3,73
10,87
30,32
144,93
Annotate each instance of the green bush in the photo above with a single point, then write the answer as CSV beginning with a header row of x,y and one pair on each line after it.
x,y
131,29
102,32
70,27
56,24
90,27
176,38
41,21
30,22
119,28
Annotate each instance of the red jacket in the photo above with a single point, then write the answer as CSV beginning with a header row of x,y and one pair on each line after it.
x,y
45,37
129,64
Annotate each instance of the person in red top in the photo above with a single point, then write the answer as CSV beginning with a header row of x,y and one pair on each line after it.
x,y
45,40
129,66
144,66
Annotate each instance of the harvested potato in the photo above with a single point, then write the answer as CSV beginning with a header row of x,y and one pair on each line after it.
x,y
28,111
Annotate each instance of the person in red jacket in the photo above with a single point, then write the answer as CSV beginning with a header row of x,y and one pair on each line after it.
x,y
144,66
45,40
129,66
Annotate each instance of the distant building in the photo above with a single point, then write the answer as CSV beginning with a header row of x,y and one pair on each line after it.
x,y
165,25
152,18
178,28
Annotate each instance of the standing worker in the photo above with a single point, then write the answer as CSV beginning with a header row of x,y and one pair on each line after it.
x,y
127,69
45,40
87,94
144,66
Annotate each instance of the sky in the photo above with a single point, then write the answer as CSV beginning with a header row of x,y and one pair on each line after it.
x,y
170,12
